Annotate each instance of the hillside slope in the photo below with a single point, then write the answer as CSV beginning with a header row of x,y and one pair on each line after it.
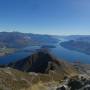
x,y
38,72
43,62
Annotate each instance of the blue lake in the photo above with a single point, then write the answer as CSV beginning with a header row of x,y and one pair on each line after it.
x,y
59,52
18,55
70,55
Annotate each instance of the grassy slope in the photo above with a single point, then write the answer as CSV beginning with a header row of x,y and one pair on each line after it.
x,y
11,79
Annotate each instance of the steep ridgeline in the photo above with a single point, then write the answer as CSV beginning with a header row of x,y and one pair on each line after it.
x,y
43,62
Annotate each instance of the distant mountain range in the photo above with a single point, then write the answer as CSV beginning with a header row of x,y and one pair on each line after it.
x,y
80,45
18,40
77,37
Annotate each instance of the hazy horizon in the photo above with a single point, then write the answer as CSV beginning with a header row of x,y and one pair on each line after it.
x,y
48,34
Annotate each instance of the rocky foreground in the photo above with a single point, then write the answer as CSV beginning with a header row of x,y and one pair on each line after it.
x,y
79,82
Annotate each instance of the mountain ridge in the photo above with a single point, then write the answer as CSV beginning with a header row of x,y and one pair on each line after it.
x,y
41,62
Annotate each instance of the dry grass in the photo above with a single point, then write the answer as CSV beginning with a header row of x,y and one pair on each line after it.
x,y
11,79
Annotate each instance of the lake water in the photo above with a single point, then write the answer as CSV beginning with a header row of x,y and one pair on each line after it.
x,y
70,55
58,52
18,55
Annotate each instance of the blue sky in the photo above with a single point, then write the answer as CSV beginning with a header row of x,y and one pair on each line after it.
x,y
60,17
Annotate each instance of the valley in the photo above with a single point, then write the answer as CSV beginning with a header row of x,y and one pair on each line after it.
x,y
41,63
